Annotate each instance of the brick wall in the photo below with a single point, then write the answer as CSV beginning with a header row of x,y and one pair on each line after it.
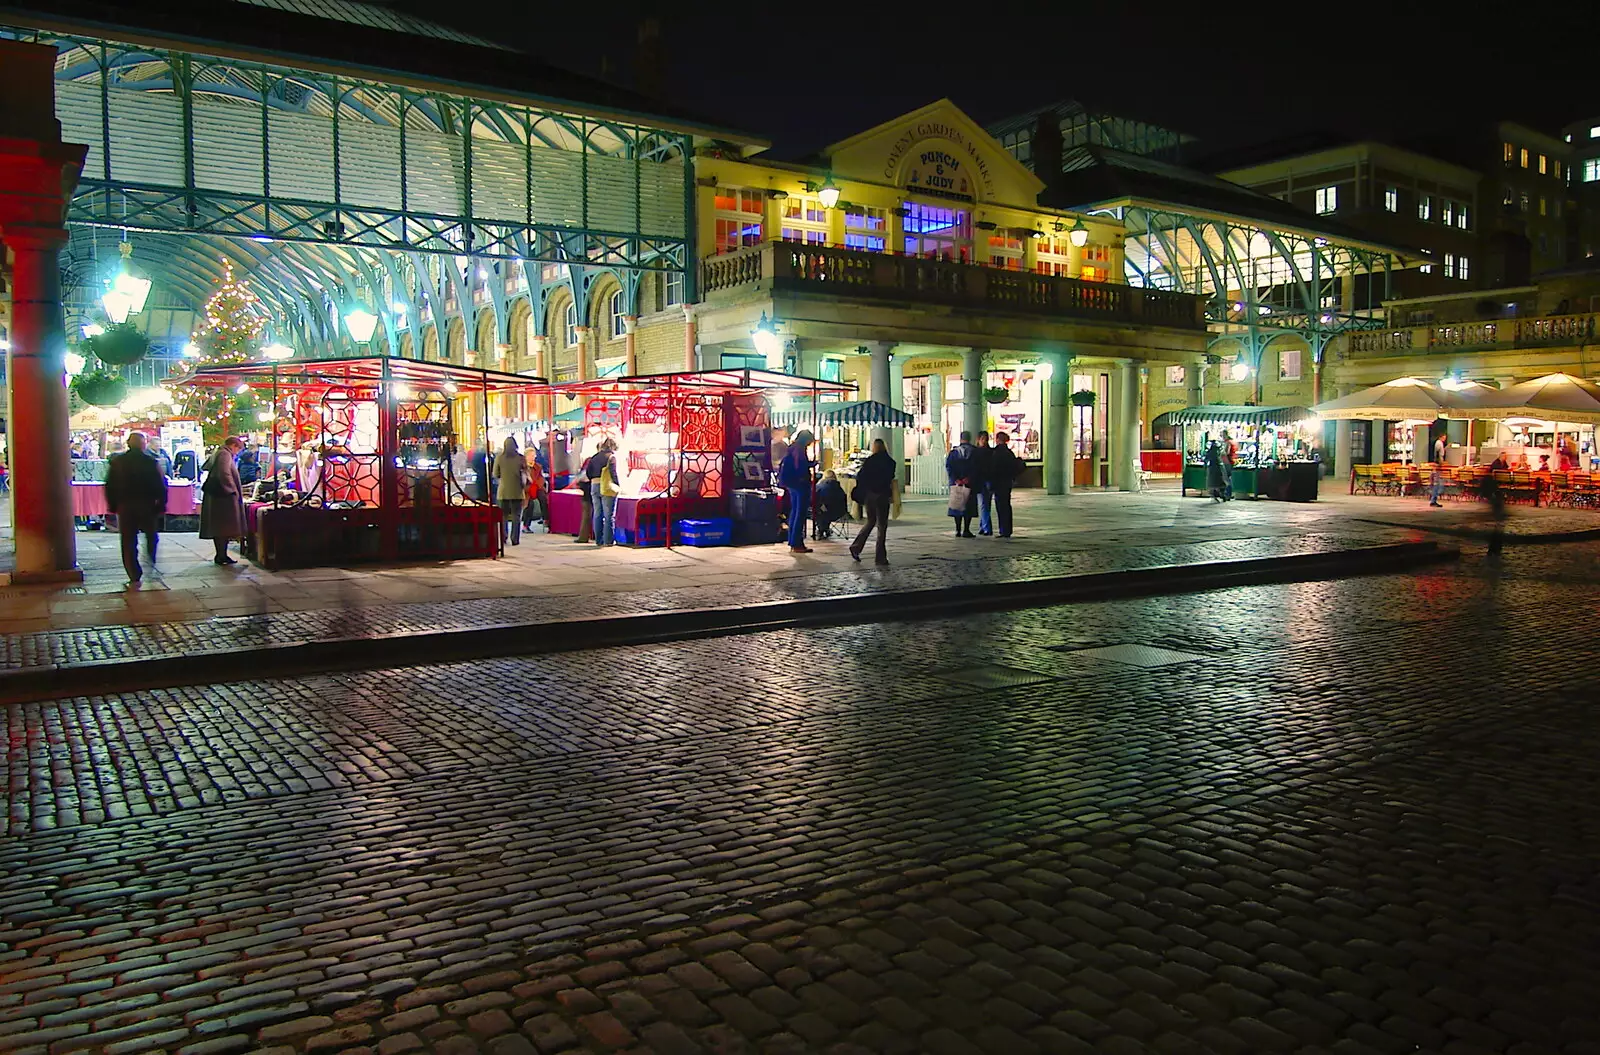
x,y
660,344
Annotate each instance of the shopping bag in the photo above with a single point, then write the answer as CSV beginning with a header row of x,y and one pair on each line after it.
x,y
894,503
959,495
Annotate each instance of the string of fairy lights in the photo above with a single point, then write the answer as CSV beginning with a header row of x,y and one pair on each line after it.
x,y
230,333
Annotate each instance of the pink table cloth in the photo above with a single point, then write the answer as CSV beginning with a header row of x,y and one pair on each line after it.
x,y
89,500
566,511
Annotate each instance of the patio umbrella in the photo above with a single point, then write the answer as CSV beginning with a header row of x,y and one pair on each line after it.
x,y
1554,397
1405,398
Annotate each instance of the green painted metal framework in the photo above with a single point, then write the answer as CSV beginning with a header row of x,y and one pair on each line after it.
x,y
334,192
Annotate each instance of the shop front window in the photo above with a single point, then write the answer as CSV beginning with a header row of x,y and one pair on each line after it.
x,y
937,233
1021,416
1175,376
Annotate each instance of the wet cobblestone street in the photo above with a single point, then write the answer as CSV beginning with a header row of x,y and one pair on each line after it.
x,y
1349,816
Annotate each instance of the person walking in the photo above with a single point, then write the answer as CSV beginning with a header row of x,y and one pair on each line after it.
x,y
875,481
509,473
1216,475
1230,458
136,490
533,502
794,476
221,504
601,471
1004,468
982,485
960,470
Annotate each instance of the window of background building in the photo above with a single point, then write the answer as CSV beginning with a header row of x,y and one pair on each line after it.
x,y
738,218
674,288
1425,208
1555,206
1544,206
1175,376
936,232
1449,265
804,220
1594,133
1289,365
1005,251
1509,150
1524,157
1096,263
1524,202
1327,200
1591,170
1544,165
866,228
1461,216
1426,269
1447,211
1462,268
618,310
1054,255
1391,199
572,325
1544,243
1557,168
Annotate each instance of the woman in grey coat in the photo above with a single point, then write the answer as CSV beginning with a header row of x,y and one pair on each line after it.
x,y
221,499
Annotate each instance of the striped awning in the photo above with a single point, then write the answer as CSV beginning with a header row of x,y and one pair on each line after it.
x,y
865,413
1229,414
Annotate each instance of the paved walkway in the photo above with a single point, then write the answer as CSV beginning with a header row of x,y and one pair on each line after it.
x,y
1351,817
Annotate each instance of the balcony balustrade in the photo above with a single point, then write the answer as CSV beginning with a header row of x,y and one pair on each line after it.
x,y
796,267
1501,334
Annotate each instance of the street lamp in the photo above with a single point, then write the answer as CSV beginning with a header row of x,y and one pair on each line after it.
x,y
1240,369
93,329
127,292
766,339
828,193
361,323
1079,235
1044,370
75,364
277,351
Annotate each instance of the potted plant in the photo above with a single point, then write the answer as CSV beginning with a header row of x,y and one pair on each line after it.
x,y
122,344
100,389
997,394
1083,397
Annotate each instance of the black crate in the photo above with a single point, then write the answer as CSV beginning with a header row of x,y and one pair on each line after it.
x,y
753,504
756,532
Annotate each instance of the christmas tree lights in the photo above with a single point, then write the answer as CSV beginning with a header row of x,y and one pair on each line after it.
x,y
231,333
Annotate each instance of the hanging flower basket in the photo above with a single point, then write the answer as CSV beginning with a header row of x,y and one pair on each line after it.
x,y
122,344
1083,397
996,394
100,389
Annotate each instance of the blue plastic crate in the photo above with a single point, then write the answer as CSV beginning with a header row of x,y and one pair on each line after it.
x,y
717,531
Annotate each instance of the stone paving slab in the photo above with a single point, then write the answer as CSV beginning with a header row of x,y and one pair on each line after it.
x,y
239,634
1361,819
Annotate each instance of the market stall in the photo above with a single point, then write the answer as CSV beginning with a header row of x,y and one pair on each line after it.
x,y
1275,455
362,460
844,430
692,449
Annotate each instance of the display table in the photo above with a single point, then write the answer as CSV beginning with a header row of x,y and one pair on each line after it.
x,y
89,500
1194,479
1161,461
566,511
313,537
1291,482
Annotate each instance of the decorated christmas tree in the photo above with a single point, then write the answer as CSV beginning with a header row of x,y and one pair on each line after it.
x,y
230,332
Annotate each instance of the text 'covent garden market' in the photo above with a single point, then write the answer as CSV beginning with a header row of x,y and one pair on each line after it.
x,y
392,189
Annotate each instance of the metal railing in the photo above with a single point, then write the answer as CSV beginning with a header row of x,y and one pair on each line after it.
x,y
1545,331
886,276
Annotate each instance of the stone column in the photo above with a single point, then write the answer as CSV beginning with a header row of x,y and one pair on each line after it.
x,y
1194,375
630,324
972,382
582,333
691,339
897,400
1125,470
938,443
878,375
1057,425
1343,447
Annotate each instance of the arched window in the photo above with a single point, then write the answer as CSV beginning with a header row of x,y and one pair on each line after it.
x,y
618,310
572,325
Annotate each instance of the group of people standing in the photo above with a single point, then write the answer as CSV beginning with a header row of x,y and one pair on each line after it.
x,y
981,477
136,490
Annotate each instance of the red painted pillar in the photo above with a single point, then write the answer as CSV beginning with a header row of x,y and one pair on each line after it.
x,y
37,174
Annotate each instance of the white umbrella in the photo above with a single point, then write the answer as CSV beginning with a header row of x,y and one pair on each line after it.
x,y
1404,398
1554,397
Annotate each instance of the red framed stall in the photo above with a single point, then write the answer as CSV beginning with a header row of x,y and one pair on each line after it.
x,y
687,442
362,459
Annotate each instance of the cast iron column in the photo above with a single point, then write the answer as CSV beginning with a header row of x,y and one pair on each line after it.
x,y
972,381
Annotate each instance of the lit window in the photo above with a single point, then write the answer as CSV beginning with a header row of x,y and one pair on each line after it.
x,y
804,220
1449,265
1544,206
1289,365
1175,376
674,286
1594,133
572,325
1094,274
1005,251
1591,170
1524,202
1544,165
1447,211
1557,165
1424,208
1461,217
1509,150
738,218
1426,269
1391,199
866,228
618,310
1327,200
1461,268
1524,157
1053,254
937,233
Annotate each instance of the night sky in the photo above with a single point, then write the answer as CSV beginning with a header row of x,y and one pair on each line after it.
x,y
1230,79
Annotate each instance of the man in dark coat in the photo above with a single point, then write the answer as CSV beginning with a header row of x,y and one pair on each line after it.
x,y
1004,468
983,457
875,482
136,489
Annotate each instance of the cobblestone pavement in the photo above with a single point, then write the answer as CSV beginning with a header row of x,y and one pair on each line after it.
x,y
1356,816
89,644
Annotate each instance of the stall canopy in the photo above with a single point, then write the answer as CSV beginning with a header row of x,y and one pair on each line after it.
x,y
1405,399
1555,397
1226,414
867,413
359,373
724,381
